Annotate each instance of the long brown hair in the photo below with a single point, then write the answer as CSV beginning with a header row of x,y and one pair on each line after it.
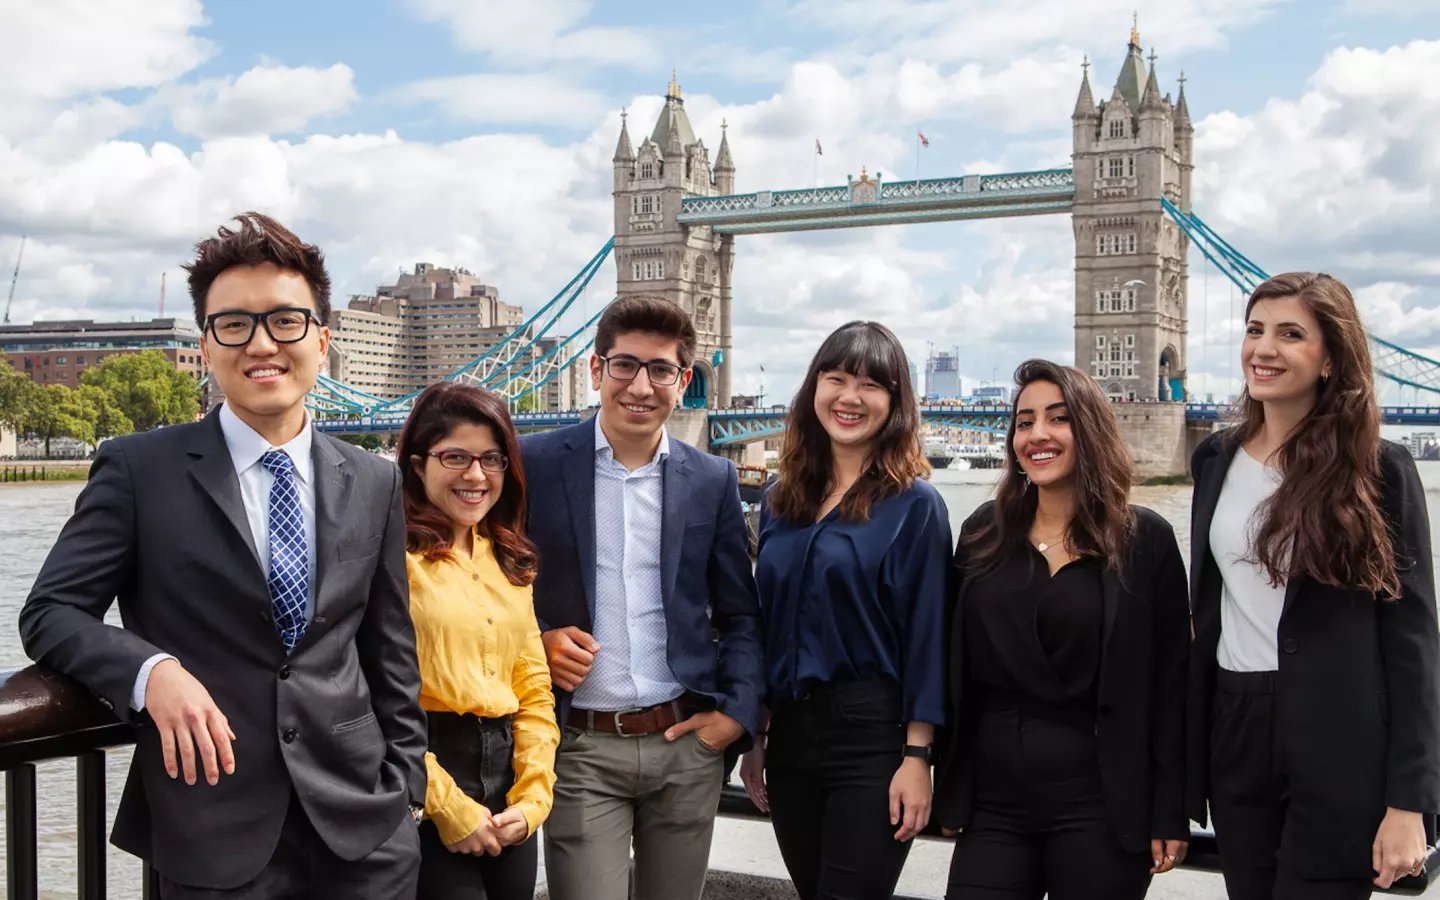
x,y
438,411
897,457
1324,521
1103,520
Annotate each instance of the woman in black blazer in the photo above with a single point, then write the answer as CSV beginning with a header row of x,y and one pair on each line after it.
x,y
1068,650
1314,710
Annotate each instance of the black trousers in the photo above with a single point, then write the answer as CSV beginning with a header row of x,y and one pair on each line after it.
x,y
1039,824
1249,797
303,867
828,766
480,755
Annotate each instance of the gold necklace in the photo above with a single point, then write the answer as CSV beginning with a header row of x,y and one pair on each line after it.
x,y
1045,545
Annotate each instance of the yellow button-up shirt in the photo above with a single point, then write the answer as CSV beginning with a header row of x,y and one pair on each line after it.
x,y
480,652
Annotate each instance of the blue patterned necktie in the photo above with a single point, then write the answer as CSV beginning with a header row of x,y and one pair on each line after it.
x,y
289,570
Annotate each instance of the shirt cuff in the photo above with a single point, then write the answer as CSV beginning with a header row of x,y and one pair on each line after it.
x,y
142,680
458,819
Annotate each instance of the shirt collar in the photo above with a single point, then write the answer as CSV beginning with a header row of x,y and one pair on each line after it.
x,y
603,448
247,446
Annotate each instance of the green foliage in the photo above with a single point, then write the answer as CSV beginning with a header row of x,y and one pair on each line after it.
x,y
107,418
54,410
15,390
147,389
363,441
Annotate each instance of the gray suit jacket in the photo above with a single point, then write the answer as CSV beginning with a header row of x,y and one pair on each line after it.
x,y
161,526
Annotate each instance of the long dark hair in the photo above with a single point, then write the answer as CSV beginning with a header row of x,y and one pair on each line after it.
x,y
438,411
866,349
1103,519
1324,521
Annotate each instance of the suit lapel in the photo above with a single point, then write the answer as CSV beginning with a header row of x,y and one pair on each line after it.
x,y
577,471
332,486
214,472
1109,605
672,519
1207,495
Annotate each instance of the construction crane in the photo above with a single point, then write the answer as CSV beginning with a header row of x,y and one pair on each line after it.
x,y
14,279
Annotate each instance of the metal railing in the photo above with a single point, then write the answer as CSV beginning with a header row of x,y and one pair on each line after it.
x,y
45,716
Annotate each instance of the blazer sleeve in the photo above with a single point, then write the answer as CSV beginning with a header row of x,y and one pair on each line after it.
x,y
1410,644
1169,595
386,644
92,561
735,614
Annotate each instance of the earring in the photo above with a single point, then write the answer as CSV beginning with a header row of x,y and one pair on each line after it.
x,y
1324,377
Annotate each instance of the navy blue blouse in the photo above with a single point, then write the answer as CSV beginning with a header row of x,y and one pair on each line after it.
x,y
847,601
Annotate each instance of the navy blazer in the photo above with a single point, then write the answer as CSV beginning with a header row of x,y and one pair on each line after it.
x,y
1358,691
711,610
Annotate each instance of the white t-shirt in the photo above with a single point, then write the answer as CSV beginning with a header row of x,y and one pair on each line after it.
x,y
1250,606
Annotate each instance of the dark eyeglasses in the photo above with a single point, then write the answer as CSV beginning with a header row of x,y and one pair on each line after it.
x,y
625,368
235,329
460,460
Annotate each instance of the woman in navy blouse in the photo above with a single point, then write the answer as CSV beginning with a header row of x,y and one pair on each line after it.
x,y
853,573
1067,666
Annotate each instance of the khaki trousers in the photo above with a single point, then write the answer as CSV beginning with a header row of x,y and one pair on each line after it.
x,y
612,792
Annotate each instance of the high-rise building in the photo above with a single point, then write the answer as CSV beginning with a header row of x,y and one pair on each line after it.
x,y
1131,272
423,328
942,377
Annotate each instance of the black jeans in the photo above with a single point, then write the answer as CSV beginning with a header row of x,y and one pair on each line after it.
x,y
480,755
1039,823
1249,789
829,762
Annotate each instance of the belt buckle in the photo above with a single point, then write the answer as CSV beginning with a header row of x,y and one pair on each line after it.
x,y
619,727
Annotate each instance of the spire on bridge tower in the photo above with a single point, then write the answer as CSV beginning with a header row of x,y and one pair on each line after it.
x,y
673,92
1151,100
1135,30
724,164
1085,103
623,151
1132,74
1182,110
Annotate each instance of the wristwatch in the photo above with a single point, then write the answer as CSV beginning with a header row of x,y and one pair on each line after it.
x,y
417,813
921,751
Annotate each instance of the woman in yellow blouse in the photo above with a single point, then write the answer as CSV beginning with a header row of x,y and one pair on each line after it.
x,y
485,683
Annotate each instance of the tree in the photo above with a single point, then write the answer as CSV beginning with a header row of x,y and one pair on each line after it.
x,y
107,418
147,388
54,410
14,391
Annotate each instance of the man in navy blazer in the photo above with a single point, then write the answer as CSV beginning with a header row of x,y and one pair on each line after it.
x,y
650,620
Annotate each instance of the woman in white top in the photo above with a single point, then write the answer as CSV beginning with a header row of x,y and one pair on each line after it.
x,y
1314,704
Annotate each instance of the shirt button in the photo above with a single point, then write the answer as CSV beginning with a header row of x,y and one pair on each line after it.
x,y
289,736
284,672
475,576
1290,645
489,620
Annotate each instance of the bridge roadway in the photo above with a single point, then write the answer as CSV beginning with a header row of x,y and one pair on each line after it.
x,y
730,427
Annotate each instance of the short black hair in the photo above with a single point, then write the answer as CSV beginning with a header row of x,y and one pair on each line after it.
x,y
650,314
260,239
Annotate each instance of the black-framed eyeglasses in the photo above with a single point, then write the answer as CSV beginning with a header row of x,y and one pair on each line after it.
x,y
460,460
285,326
625,368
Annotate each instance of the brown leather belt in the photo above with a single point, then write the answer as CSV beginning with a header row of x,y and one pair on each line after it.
x,y
628,722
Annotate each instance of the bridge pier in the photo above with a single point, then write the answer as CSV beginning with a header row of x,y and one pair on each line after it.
x,y
1158,438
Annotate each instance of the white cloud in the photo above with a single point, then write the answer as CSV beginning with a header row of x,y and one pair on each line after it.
x,y
536,32
509,99
267,99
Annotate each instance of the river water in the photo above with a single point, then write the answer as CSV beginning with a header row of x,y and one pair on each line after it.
x,y
31,516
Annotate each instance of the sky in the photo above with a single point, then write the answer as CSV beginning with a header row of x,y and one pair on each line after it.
x,y
479,134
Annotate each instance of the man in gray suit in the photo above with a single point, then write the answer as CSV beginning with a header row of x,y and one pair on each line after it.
x,y
267,649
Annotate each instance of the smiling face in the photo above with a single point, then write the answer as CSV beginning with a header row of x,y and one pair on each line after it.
x,y
463,496
264,382
851,408
1043,442
637,409
1284,353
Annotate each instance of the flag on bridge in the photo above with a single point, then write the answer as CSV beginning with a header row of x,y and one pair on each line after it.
x,y
924,141
818,151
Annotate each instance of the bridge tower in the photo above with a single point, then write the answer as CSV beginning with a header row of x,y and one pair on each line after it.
x,y
654,254
1131,274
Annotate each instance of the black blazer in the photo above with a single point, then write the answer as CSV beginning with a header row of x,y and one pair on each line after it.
x,y
161,526
1140,711
1357,696
712,613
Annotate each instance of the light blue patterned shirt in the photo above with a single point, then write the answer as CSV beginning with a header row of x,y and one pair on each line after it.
x,y
632,668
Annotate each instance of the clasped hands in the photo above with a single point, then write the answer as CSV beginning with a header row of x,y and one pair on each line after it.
x,y
504,829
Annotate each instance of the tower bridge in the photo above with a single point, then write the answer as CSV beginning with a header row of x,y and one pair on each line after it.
x,y
1128,195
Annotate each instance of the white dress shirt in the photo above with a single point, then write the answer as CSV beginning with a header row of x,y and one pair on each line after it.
x,y
632,668
246,446
1250,605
